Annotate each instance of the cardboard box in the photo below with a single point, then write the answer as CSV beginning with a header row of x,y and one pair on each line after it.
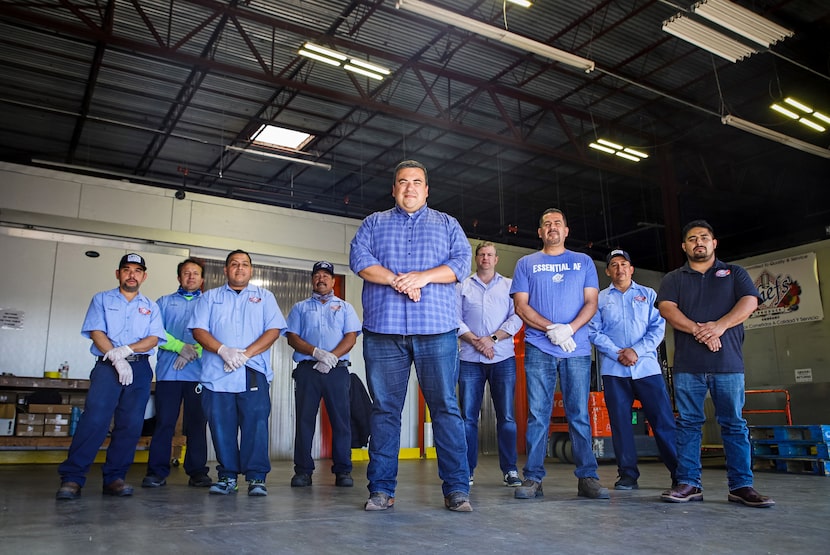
x,y
30,419
56,430
51,409
29,430
56,419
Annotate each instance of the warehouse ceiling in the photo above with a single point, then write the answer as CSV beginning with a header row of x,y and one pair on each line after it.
x,y
170,92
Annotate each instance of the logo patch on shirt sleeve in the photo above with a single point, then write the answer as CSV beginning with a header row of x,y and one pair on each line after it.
x,y
722,273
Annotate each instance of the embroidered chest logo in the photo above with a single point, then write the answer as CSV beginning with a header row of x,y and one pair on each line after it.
x,y
335,307
640,298
254,299
144,311
722,273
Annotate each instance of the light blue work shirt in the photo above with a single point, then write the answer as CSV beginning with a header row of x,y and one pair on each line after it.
x,y
176,311
322,325
235,320
124,322
402,243
625,320
556,285
483,309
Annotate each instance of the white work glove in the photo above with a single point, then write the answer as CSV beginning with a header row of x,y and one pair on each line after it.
x,y
125,371
569,345
118,353
558,333
189,352
234,358
322,367
180,362
325,357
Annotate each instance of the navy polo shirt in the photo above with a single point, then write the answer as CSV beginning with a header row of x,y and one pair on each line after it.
x,y
705,298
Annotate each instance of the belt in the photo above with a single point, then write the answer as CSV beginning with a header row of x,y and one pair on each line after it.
x,y
131,358
339,362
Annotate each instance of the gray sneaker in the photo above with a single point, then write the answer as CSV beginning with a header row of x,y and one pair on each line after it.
x,y
529,489
224,486
591,488
256,488
459,502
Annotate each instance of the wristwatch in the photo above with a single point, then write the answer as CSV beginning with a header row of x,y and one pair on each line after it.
x,y
495,338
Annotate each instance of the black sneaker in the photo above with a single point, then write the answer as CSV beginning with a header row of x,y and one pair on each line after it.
x,y
343,480
300,480
200,481
626,483
153,481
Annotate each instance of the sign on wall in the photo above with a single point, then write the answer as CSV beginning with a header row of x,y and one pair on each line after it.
x,y
789,292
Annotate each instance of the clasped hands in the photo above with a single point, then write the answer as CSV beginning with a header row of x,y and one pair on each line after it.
x,y
325,360
234,358
117,356
562,336
410,284
709,334
186,355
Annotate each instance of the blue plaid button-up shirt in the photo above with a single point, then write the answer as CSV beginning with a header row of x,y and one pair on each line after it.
x,y
403,243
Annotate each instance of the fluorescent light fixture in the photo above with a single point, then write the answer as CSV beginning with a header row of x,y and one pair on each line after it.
x,y
361,71
781,110
627,156
811,123
491,32
318,57
801,119
795,103
761,131
822,117
617,149
615,146
704,37
522,3
635,152
334,58
370,67
742,21
602,148
264,154
325,51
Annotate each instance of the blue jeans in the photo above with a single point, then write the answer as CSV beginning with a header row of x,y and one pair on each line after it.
x,y
651,391
541,370
388,362
333,388
169,397
244,415
107,399
502,378
727,391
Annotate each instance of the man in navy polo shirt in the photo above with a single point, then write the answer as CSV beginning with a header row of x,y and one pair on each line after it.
x,y
706,302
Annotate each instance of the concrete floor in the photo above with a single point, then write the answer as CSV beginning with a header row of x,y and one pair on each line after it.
x,y
325,519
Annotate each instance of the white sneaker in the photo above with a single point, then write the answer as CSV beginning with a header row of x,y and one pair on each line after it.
x,y
471,479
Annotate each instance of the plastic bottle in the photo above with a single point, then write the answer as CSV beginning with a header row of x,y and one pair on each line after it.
x,y
64,370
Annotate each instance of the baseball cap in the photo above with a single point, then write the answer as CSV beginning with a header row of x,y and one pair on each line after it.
x,y
617,252
132,258
323,265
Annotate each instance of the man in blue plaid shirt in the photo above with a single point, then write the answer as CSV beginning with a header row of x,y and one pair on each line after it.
x,y
410,258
